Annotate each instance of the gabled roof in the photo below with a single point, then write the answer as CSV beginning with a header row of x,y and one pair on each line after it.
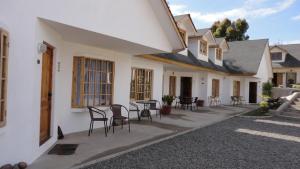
x,y
245,56
179,18
219,42
292,58
172,19
192,60
201,32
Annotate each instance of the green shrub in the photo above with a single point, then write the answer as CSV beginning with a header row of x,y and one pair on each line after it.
x,y
267,89
167,99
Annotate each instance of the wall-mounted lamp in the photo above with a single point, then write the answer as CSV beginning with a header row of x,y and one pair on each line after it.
x,y
42,48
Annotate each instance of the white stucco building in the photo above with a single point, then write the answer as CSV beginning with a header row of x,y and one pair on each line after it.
x,y
39,83
286,64
58,58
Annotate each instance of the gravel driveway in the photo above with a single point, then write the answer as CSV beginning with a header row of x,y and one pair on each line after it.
x,y
218,146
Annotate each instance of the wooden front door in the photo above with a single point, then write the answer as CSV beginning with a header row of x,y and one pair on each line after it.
x,y
172,86
215,90
186,87
46,95
252,92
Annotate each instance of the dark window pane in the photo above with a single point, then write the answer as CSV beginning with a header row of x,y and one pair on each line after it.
x,y
276,56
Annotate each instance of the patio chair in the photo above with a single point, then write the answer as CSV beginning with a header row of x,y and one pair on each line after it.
x,y
94,111
117,115
234,100
211,100
135,108
242,100
218,101
155,106
195,102
177,101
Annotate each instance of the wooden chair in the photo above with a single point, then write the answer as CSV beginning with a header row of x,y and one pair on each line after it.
x,y
117,115
93,111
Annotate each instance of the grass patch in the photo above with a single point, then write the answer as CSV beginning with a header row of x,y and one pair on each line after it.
x,y
256,112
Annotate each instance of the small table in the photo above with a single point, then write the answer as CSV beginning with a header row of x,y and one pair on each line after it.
x,y
146,111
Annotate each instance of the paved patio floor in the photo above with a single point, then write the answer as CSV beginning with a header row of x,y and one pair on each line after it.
x,y
239,142
97,146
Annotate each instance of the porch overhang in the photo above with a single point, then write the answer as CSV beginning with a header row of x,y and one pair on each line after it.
x,y
90,38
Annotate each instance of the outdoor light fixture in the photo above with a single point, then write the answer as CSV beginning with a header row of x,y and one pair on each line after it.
x,y
42,48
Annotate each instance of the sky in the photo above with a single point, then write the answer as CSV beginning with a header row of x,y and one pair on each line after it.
x,y
276,20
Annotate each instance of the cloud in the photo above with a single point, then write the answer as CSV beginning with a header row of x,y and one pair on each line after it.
x,y
291,42
250,9
286,42
296,18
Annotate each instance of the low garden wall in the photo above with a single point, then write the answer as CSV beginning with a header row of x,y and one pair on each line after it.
x,y
283,92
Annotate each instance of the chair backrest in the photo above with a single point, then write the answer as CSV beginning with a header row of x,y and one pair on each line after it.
x,y
153,104
135,106
195,99
116,110
93,110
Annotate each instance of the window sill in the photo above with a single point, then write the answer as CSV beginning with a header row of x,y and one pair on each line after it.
x,y
85,110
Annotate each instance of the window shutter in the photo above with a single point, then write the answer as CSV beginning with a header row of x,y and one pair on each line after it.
x,y
4,42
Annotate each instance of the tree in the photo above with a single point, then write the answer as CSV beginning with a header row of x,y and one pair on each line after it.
x,y
231,31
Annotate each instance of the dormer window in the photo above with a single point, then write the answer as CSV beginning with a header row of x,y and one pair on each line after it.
x,y
203,47
276,56
219,53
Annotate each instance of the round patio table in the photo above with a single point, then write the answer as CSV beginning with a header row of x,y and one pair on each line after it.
x,y
146,111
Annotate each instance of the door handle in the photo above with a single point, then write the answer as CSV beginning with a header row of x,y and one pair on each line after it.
x,y
49,94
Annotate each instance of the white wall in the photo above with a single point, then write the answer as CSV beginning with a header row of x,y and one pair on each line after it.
x,y
19,139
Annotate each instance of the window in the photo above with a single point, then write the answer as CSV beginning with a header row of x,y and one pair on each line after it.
x,y
141,84
3,75
291,78
219,53
236,88
183,34
92,82
276,56
203,47
215,88
172,86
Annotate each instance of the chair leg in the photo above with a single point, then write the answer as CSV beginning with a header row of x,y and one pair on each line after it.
x,y
138,114
90,128
129,125
159,114
110,123
113,125
105,128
